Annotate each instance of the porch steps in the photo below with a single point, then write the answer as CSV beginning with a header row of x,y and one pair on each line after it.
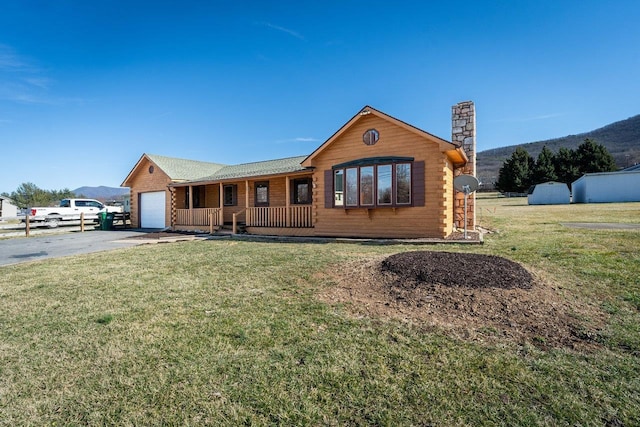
x,y
228,228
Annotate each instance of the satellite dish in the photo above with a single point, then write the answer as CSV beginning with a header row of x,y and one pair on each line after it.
x,y
466,183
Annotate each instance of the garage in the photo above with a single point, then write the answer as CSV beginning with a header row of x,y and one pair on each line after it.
x,y
152,209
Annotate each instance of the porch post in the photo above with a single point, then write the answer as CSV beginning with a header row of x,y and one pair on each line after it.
x,y
247,214
287,203
190,205
221,205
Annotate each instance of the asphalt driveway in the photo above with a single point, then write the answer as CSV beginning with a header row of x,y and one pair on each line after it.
x,y
19,250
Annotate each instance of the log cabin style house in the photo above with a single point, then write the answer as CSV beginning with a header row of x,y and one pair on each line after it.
x,y
376,177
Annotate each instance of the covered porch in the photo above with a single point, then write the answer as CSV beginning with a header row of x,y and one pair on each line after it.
x,y
278,205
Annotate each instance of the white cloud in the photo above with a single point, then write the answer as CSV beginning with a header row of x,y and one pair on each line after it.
x,y
41,82
9,60
284,30
23,82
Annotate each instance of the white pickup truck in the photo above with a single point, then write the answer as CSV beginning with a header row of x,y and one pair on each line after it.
x,y
69,210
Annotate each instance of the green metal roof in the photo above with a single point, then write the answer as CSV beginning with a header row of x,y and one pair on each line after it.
x,y
183,169
247,170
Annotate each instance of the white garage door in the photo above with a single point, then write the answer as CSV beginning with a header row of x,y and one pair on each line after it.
x,y
152,210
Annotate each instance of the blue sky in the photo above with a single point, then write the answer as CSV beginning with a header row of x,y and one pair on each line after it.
x,y
87,87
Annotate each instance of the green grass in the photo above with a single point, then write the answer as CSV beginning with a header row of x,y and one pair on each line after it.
x,y
233,333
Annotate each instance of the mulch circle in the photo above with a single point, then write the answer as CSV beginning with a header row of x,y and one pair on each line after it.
x,y
458,269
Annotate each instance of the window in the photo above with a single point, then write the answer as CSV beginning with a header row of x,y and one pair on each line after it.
x,y
403,183
262,193
378,182
384,185
302,191
198,196
366,185
230,195
339,187
352,186
370,137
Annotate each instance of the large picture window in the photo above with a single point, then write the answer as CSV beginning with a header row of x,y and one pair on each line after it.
x,y
373,185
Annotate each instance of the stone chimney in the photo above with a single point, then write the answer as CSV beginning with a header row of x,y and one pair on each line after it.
x,y
463,133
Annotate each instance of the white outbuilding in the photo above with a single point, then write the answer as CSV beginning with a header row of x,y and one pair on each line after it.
x,y
7,208
607,187
549,193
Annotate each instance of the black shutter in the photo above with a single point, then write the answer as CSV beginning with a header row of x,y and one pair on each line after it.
x,y
417,183
328,189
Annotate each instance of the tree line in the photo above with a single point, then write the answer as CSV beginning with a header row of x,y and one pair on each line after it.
x,y
28,195
521,171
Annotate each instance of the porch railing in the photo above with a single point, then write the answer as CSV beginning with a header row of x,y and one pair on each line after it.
x,y
281,217
200,216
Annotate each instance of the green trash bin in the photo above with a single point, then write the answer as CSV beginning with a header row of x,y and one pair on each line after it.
x,y
102,219
106,220
109,220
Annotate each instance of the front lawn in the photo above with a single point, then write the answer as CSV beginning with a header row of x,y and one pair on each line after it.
x,y
239,333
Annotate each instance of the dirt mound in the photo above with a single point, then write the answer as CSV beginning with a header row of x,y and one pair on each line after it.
x,y
472,296
458,269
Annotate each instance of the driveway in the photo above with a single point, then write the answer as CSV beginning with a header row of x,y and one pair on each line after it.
x,y
19,250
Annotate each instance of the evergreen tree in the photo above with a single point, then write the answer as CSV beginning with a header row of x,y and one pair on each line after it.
x,y
544,169
515,173
593,157
566,166
29,195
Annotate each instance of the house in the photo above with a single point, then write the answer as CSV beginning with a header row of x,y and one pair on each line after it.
x,y
376,177
607,187
7,208
549,193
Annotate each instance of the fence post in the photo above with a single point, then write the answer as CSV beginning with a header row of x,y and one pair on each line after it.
x,y
211,222
234,229
26,225
82,222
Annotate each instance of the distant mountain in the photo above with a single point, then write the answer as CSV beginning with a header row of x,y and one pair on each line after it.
x,y
622,139
102,192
